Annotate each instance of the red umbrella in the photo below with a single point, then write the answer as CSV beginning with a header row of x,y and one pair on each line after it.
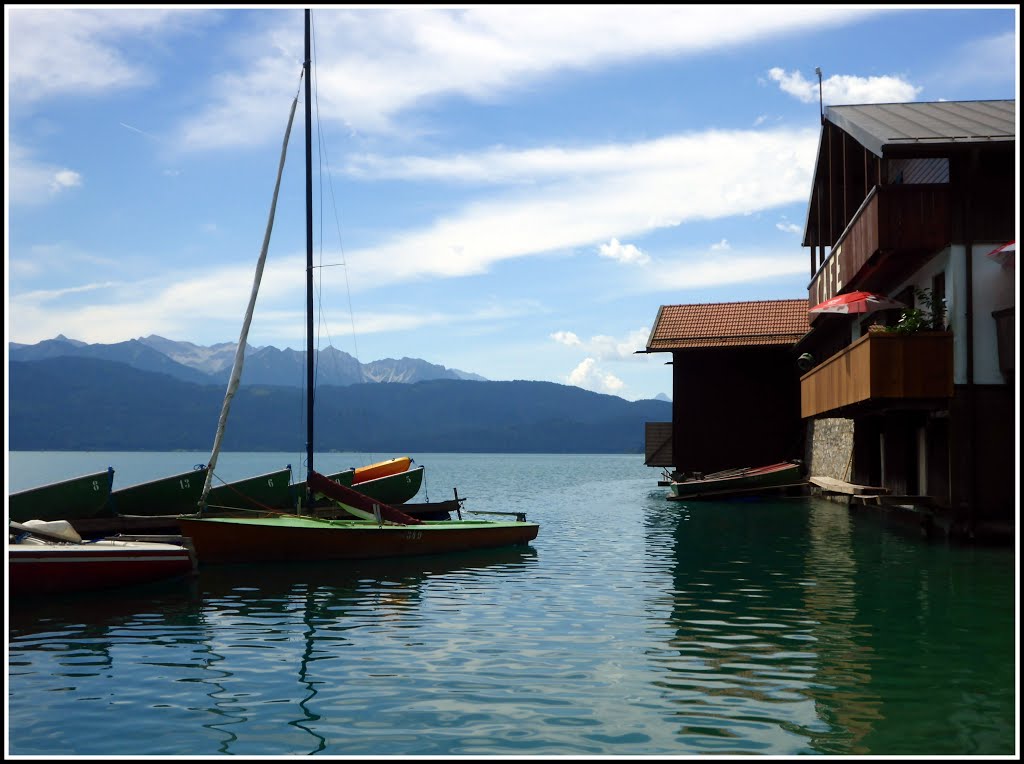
x,y
1005,255
857,302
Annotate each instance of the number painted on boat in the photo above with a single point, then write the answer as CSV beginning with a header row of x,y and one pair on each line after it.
x,y
414,535
184,483
270,482
95,485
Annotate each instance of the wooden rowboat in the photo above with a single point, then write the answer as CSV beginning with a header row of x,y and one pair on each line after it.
x,y
745,481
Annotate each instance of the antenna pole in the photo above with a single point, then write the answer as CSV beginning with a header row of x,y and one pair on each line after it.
x,y
821,102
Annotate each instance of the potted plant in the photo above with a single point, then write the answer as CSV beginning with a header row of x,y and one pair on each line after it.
x,y
930,316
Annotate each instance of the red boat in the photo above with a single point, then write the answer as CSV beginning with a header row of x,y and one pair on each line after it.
x,y
44,560
745,481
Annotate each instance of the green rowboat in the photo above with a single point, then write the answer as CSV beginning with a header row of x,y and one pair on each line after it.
x,y
172,495
73,499
390,489
269,491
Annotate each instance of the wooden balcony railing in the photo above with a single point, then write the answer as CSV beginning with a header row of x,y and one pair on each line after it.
x,y
880,367
893,221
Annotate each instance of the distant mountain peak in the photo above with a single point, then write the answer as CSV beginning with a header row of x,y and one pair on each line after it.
x,y
62,338
266,365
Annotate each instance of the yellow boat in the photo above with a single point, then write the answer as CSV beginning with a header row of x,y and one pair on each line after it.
x,y
381,469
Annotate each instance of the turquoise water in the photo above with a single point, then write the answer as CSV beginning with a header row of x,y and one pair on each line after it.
x,y
632,626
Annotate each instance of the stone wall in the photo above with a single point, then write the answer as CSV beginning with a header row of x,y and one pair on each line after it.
x,y
830,450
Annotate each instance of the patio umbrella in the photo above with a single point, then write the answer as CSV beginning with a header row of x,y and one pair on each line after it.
x,y
1005,255
857,302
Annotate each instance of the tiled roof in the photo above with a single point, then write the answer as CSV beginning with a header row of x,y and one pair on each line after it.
x,y
729,324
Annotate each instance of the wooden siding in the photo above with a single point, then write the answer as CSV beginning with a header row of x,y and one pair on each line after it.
x,y
881,366
892,220
735,407
658,444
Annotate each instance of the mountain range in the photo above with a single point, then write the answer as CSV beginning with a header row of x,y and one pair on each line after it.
x,y
136,396
263,365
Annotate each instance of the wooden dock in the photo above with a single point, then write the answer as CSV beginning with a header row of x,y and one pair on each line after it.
x,y
924,512
835,487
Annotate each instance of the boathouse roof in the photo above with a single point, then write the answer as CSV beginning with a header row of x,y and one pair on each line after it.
x,y
729,324
886,129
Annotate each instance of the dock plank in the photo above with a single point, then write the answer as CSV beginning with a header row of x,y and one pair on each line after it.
x,y
833,485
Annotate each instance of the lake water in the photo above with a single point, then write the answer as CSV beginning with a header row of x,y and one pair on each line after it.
x,y
632,626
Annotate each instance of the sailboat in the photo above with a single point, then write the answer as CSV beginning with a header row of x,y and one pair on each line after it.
x,y
379,530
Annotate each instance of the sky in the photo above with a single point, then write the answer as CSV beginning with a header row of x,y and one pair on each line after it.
x,y
511,191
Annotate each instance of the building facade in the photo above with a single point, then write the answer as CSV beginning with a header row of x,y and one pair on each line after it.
x,y
917,202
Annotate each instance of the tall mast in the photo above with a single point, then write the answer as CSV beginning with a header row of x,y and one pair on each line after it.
x,y
309,268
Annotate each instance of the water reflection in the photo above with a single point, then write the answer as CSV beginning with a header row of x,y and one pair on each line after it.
x,y
762,614
842,692
257,639
798,628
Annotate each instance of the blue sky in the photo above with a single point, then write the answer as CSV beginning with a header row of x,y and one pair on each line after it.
x,y
512,191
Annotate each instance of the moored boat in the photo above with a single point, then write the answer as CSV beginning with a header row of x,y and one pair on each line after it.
x,y
381,469
78,497
269,491
169,495
744,481
386,531
394,488
47,558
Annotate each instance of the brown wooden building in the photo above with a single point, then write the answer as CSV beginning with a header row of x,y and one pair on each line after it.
x,y
910,197
735,385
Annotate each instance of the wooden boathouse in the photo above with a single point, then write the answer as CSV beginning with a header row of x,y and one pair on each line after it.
x,y
915,201
735,385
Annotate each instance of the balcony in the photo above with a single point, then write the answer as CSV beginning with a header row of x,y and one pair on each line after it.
x,y
894,227
881,369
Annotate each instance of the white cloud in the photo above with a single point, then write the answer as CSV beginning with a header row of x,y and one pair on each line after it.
x,y
604,347
478,53
596,194
65,179
845,89
590,377
624,253
34,182
60,52
721,246
565,338
789,227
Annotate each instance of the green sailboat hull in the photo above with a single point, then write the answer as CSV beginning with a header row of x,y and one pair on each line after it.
x,y
390,489
172,495
270,491
73,499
